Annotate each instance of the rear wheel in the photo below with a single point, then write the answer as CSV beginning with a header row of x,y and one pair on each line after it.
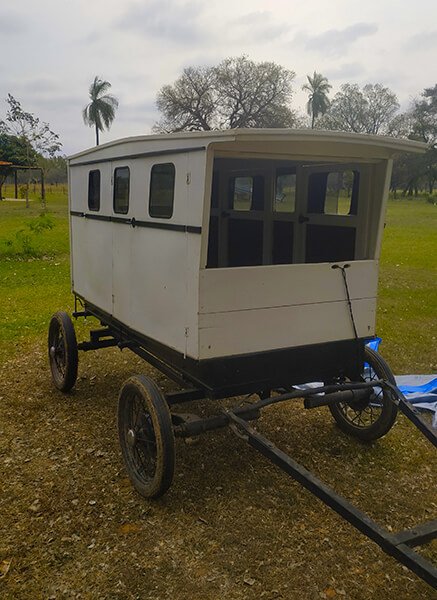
x,y
146,436
63,354
372,418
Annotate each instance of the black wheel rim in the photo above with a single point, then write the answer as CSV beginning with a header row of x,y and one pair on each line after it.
x,y
140,440
365,416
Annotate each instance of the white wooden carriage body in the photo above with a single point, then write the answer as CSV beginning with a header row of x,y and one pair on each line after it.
x,y
231,276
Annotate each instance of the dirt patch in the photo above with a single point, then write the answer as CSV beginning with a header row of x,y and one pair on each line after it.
x,y
232,526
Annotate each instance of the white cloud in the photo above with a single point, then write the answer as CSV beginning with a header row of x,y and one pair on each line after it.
x,y
164,19
335,42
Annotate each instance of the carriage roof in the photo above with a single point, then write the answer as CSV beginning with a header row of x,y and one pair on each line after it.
x,y
275,141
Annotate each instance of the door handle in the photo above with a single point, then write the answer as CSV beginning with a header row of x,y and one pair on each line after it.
x,y
302,219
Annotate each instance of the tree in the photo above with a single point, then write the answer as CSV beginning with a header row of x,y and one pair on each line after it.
x,y
55,169
100,112
424,117
35,136
236,93
188,104
318,102
414,172
371,109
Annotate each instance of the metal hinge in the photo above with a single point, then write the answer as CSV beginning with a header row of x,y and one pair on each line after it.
x,y
188,178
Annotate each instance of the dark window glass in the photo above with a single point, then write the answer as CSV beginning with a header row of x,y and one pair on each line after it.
x,y
121,190
334,193
161,198
285,193
242,193
94,190
247,193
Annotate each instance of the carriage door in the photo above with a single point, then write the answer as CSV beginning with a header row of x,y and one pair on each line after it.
x,y
121,239
327,214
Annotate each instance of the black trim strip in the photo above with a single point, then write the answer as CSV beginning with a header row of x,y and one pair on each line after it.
x,y
96,217
119,219
140,155
134,223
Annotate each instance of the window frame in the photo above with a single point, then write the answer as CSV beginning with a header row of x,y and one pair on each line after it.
x,y
121,212
151,206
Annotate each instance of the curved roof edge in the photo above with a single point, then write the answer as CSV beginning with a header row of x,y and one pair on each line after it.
x,y
292,135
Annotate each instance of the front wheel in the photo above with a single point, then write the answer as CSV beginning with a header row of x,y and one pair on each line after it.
x,y
373,418
146,436
63,354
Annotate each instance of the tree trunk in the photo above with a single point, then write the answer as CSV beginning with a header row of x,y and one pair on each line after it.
x,y
313,118
27,188
97,136
43,191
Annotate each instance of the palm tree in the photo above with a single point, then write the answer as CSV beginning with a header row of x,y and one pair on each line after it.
x,y
318,101
100,112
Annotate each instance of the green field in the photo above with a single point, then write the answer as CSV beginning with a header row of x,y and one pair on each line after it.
x,y
34,284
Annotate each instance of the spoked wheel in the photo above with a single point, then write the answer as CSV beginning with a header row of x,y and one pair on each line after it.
x,y
146,436
373,417
63,355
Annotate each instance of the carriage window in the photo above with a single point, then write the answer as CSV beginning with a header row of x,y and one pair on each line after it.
x,y
334,193
242,193
94,190
285,192
121,190
247,193
161,197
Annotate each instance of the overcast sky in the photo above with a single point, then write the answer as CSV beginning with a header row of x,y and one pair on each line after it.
x,y
52,49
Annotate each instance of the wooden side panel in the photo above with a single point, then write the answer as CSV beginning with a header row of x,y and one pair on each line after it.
x,y
91,241
146,277
240,332
248,288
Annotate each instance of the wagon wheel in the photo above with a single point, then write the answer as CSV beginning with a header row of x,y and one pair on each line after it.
x,y
372,418
63,355
146,436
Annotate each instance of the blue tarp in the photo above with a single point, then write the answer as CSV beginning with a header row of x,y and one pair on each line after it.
x,y
420,390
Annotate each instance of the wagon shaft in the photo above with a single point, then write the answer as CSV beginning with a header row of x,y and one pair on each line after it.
x,y
396,545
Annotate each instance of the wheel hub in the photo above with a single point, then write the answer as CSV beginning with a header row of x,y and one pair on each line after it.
x,y
52,352
131,438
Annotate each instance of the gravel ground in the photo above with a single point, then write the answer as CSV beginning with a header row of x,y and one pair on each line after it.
x,y
231,526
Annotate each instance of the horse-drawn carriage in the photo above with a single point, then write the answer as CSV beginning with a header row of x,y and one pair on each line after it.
x,y
236,262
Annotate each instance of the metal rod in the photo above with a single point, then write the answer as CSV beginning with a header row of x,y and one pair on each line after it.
x,y
401,552
199,426
344,396
326,389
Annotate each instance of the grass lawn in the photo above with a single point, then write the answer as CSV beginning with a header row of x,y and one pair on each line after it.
x,y
407,303
35,284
